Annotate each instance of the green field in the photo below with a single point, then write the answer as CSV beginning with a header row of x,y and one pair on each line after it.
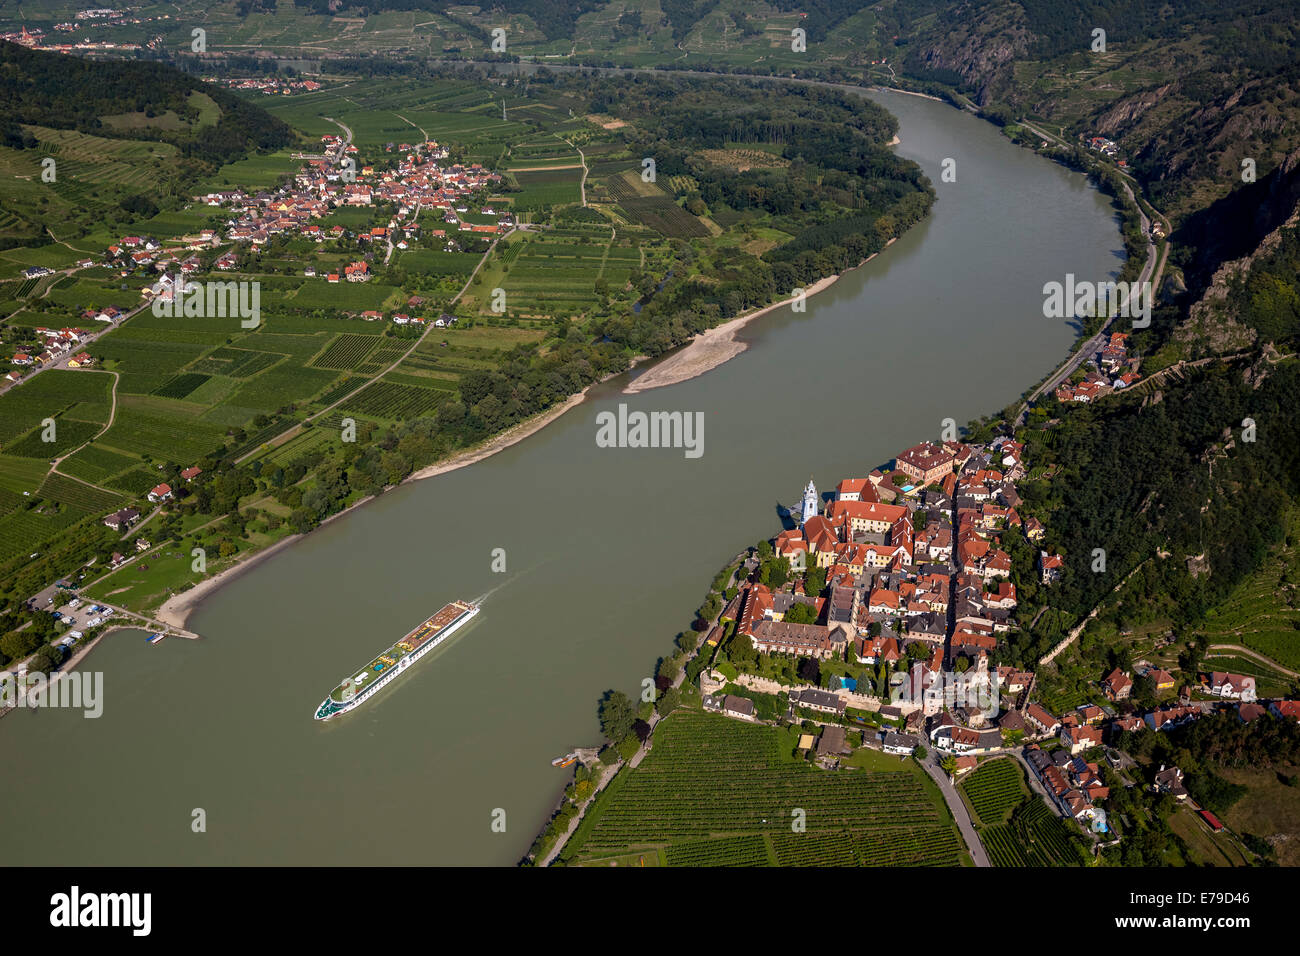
x,y
994,789
716,792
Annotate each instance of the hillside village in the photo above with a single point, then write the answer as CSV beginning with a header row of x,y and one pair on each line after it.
x,y
895,597
1113,368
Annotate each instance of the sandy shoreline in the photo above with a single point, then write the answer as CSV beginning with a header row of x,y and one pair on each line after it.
x,y
924,96
717,345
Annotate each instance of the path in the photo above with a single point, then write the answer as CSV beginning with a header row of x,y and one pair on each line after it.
x,y
284,436
582,186
112,416
1253,655
958,808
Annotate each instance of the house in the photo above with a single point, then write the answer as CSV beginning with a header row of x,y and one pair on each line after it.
x,y
926,462
1234,686
741,707
161,492
1051,566
1117,685
901,744
1285,709
1167,718
778,637
121,520
955,739
832,742
819,700
1090,713
1170,781
965,764
81,360
1162,679
1040,720
189,474
1249,710
1079,739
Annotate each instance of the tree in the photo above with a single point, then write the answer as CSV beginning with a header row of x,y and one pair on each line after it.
x,y
616,715
814,581
628,746
669,701
919,752
801,614
949,765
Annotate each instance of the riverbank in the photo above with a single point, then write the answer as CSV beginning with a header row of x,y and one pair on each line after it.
x,y
176,610
720,344
502,441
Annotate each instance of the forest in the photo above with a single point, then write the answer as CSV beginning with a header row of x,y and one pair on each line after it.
x,y
67,92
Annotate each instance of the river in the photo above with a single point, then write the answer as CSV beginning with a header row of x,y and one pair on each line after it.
x,y
608,552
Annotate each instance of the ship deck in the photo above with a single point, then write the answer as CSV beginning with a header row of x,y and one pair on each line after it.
x,y
422,633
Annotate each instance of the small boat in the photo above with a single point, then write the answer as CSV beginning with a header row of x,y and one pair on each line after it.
x,y
566,761
155,638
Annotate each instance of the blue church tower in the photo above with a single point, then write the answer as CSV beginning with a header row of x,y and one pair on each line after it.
x,y
809,503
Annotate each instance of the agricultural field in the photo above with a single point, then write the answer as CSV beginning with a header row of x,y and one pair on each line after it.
x,y
994,789
650,206
346,352
57,505
715,791
393,402
1032,836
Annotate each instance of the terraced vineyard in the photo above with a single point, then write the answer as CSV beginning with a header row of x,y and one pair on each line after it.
x,y
1263,612
1034,836
994,790
716,792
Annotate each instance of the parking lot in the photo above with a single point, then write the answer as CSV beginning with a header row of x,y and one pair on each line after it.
x,y
74,613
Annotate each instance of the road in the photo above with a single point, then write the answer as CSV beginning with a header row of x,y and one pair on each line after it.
x,y
78,348
582,186
958,808
1151,267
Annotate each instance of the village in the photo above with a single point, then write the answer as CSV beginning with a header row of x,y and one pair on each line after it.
x,y
1111,369
330,180
901,579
